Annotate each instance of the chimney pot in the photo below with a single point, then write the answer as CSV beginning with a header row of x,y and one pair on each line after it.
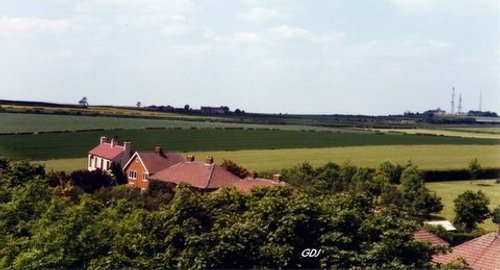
x,y
190,158
159,150
253,174
113,142
104,139
209,160
277,178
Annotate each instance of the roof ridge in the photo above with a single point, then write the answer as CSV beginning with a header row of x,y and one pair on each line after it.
x,y
210,175
487,246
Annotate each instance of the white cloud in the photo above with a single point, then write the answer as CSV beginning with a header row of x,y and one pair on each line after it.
x,y
260,14
422,5
28,24
240,38
289,32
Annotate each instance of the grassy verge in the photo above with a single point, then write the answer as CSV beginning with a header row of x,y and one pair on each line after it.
x,y
448,191
473,133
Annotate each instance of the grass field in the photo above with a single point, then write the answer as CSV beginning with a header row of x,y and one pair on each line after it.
x,y
16,123
77,144
472,133
448,191
438,157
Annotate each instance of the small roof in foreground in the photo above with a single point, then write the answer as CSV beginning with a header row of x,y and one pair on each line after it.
x,y
425,236
481,253
444,223
249,183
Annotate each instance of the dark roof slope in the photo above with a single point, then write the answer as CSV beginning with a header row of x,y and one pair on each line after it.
x,y
425,236
108,151
155,162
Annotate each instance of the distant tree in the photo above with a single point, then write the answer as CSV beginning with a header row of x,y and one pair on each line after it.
x,y
417,198
470,209
83,102
391,171
187,108
495,215
234,168
90,181
138,104
474,168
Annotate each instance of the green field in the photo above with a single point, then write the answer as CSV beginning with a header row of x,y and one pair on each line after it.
x,y
439,157
20,122
448,191
77,144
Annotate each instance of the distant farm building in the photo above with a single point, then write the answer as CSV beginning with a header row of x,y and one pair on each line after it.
x,y
214,110
101,156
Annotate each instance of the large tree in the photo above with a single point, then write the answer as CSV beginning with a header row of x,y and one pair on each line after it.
x,y
470,209
416,197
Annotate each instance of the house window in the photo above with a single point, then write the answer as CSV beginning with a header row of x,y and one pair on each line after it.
x,y
107,165
145,177
90,161
102,163
95,162
132,175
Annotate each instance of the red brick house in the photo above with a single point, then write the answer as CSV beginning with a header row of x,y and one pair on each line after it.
x,y
143,165
205,176
480,253
101,156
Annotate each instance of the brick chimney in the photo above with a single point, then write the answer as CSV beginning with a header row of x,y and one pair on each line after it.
x,y
253,175
104,139
190,158
209,160
159,151
127,146
113,142
277,178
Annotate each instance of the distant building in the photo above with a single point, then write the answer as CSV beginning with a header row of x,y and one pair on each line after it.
x,y
143,165
443,223
101,156
215,110
480,253
437,111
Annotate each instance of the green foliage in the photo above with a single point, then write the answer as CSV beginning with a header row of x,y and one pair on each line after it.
x,y
234,168
495,215
117,173
474,168
470,209
391,171
416,196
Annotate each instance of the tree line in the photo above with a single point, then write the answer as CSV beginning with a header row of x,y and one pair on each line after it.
x,y
358,219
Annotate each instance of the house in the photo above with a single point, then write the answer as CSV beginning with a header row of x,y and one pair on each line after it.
x,y
204,176
425,236
101,156
143,165
480,253
252,181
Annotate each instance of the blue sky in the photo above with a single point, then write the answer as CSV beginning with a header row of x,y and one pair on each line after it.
x,y
289,56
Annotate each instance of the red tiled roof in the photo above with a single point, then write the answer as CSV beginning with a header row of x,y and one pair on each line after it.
x,y
481,253
249,183
197,174
425,236
155,162
107,151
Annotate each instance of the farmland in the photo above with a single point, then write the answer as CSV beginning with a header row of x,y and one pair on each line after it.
x,y
77,144
36,123
467,133
448,191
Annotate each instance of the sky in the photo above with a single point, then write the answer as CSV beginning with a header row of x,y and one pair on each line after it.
x,y
277,56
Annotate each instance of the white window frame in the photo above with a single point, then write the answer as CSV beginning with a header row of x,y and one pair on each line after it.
x,y
145,176
132,175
